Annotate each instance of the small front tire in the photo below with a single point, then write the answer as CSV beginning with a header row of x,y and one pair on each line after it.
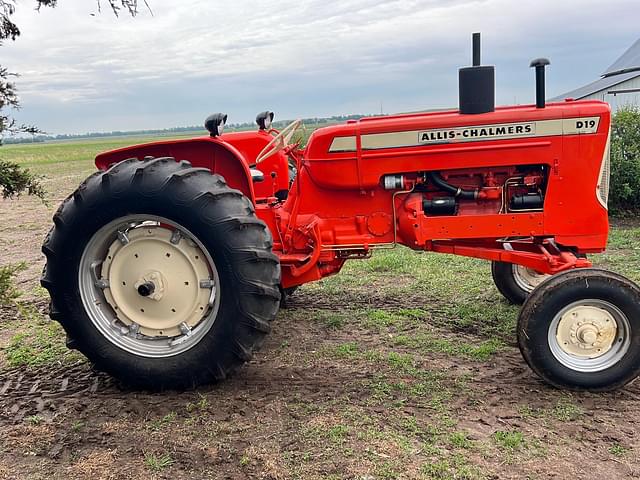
x,y
515,282
580,330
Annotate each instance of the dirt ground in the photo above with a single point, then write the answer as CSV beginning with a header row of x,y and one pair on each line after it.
x,y
369,375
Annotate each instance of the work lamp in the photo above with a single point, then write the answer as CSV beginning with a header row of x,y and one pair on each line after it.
x,y
264,120
215,123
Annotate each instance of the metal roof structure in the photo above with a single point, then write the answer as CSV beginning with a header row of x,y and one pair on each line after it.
x,y
624,68
628,62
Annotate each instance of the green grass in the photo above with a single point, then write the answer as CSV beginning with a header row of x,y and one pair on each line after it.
x,y
566,411
34,419
332,320
378,319
163,422
429,342
460,440
388,470
454,293
158,463
8,290
509,441
346,350
77,426
455,468
40,154
201,404
337,433
38,342
618,450
621,255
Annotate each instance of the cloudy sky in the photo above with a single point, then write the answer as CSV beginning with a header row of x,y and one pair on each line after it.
x,y
300,58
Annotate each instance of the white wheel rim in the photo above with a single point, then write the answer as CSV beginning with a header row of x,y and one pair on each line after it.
x,y
589,335
526,278
149,286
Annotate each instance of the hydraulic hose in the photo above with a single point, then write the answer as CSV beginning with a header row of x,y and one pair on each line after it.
x,y
457,192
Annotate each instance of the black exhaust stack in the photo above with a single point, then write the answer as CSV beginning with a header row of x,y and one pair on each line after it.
x,y
540,64
477,84
475,45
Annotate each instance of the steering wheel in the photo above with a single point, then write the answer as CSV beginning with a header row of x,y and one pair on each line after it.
x,y
280,141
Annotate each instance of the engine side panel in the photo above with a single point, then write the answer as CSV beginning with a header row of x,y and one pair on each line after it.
x,y
565,141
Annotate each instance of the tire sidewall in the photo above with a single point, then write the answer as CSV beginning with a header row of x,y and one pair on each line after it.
x,y
502,274
549,298
216,351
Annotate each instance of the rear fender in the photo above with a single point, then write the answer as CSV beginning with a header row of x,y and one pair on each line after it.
x,y
218,156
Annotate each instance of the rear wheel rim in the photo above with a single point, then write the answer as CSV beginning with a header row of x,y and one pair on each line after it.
x,y
526,278
149,286
589,335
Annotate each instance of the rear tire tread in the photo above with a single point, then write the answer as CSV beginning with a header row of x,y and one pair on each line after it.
x,y
248,243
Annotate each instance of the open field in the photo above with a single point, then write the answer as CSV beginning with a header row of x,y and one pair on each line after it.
x,y
403,366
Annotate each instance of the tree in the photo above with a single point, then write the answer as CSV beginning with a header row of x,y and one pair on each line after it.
x,y
14,179
625,161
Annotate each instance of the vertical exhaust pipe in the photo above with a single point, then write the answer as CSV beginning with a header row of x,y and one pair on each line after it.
x,y
539,64
475,39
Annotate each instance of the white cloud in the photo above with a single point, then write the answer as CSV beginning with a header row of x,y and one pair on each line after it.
x,y
299,57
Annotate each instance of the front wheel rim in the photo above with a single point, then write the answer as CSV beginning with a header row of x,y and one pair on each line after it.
x,y
526,278
589,335
149,286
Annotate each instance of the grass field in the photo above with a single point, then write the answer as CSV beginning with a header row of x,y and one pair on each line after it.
x,y
38,156
402,366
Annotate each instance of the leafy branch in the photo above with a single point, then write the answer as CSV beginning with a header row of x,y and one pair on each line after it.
x,y
15,180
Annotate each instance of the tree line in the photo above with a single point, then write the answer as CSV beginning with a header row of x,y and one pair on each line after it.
x,y
41,137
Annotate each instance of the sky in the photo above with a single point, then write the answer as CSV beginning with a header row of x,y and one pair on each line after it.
x,y
299,58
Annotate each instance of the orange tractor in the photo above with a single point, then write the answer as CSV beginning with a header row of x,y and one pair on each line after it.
x,y
167,265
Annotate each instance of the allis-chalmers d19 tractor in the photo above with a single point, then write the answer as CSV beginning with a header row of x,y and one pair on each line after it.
x,y
167,265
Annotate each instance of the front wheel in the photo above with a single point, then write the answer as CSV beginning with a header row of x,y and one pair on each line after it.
x,y
515,282
161,274
580,330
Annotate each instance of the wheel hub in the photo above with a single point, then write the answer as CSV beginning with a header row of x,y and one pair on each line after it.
x,y
159,283
586,331
151,285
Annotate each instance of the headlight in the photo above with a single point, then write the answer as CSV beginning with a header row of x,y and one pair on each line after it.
x,y
215,123
264,120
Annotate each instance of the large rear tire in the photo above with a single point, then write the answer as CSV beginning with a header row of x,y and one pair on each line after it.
x,y
161,274
580,330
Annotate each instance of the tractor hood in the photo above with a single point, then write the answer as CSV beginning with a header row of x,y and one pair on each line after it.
x,y
420,132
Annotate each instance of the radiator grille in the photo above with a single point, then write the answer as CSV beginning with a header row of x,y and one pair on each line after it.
x,y
605,169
